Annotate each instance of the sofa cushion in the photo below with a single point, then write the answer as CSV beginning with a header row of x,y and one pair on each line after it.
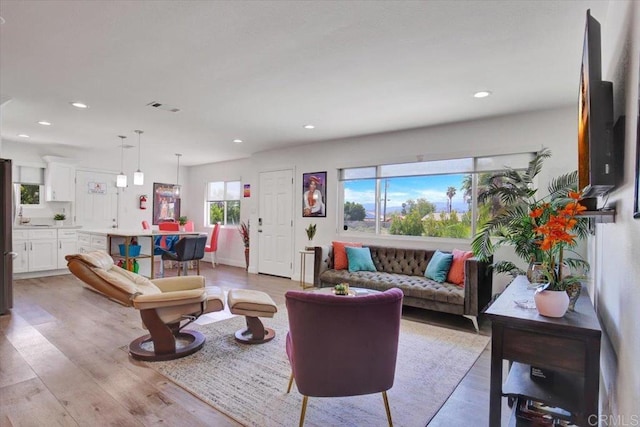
x,y
438,267
456,272
359,259
340,261
412,262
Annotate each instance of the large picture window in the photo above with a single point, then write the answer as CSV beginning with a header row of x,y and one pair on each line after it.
x,y
429,199
223,202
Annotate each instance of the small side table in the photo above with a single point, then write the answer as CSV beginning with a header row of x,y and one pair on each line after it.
x,y
303,267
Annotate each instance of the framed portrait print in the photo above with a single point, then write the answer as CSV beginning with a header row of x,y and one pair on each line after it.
x,y
314,194
166,203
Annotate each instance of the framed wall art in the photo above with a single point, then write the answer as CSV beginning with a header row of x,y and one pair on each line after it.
x,y
166,203
314,194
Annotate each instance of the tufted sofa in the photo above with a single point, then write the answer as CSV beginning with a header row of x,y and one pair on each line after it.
x,y
404,269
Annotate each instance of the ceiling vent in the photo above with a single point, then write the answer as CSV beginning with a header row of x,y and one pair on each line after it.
x,y
164,107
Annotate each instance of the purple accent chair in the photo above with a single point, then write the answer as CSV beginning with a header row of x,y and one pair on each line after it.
x,y
343,346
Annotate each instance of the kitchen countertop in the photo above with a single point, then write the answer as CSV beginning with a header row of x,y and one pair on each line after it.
x,y
134,232
44,227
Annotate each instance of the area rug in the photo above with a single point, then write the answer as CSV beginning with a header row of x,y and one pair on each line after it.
x,y
249,382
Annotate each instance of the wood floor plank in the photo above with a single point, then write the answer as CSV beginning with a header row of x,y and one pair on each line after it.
x,y
30,403
13,368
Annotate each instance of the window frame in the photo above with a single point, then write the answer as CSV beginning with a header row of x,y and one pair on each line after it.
x,y
476,170
225,201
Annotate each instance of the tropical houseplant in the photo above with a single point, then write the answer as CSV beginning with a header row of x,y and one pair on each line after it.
x,y
514,196
553,226
311,232
244,233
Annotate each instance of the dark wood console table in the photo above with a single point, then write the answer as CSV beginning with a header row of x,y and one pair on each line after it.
x,y
569,346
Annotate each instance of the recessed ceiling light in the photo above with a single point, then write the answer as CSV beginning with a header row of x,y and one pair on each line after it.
x,y
23,135
44,123
237,141
79,105
309,126
482,94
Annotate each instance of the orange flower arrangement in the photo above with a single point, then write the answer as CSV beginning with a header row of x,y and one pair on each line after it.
x,y
553,225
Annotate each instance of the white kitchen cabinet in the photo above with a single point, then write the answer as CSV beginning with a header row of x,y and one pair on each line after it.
x,y
43,249
67,245
88,242
21,262
43,254
59,182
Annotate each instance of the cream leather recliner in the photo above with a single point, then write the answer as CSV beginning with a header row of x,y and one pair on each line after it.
x,y
166,305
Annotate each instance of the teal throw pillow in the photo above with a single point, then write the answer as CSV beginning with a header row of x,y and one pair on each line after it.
x,y
359,259
438,267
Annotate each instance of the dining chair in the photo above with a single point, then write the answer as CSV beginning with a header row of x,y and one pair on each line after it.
x,y
342,345
189,226
212,247
188,248
169,226
145,225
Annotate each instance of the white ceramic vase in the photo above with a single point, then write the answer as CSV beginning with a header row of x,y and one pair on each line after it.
x,y
551,303
59,223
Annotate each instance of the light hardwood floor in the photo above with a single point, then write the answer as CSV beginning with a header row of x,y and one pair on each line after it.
x,y
62,363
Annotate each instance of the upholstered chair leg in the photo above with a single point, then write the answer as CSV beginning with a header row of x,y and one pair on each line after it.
x,y
304,409
290,382
198,266
386,406
161,267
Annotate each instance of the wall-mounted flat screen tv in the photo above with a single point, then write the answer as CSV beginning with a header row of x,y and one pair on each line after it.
x,y
596,162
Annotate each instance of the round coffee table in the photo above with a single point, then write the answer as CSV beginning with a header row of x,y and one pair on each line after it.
x,y
353,292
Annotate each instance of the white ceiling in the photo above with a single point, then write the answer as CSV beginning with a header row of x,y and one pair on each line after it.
x,y
259,71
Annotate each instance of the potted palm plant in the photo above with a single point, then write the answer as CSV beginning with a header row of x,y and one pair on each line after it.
x,y
514,193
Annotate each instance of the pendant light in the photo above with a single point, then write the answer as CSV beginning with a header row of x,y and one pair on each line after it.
x,y
138,176
176,188
121,180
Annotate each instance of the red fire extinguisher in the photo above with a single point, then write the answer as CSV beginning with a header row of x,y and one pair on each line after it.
x,y
143,202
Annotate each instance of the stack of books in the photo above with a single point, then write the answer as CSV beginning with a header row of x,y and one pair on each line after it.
x,y
531,413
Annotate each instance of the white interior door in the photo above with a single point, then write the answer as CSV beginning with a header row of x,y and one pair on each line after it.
x,y
275,226
96,199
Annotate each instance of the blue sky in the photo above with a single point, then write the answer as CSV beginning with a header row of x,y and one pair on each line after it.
x,y
433,188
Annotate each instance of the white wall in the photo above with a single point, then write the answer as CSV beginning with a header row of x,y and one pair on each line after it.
x,y
615,250
555,129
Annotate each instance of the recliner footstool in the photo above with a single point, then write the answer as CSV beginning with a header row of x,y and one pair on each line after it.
x,y
253,305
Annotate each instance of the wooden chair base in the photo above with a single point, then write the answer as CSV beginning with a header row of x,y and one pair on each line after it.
x,y
189,342
255,332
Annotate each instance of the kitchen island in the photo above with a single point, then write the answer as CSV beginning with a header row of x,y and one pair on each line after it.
x,y
110,239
